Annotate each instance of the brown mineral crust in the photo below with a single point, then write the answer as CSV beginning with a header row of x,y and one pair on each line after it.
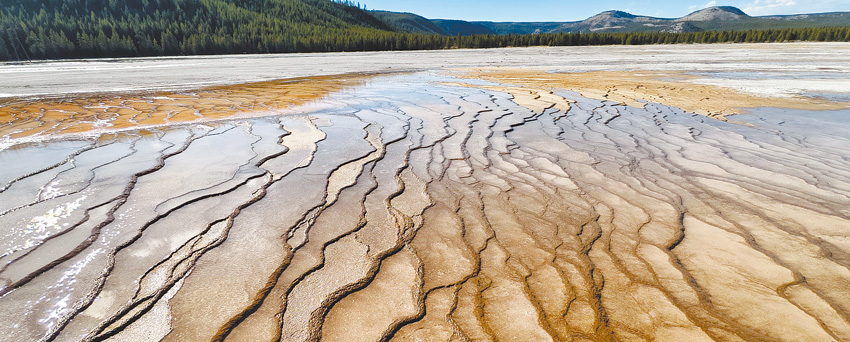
x,y
443,210
634,88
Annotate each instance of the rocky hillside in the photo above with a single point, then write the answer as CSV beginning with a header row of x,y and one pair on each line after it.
x,y
715,13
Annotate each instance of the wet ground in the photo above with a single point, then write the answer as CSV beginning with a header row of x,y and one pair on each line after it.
x,y
765,68
420,206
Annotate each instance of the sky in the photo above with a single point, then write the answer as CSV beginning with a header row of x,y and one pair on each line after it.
x,y
573,10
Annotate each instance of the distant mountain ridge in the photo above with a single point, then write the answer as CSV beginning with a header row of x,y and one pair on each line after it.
x,y
407,22
461,27
707,19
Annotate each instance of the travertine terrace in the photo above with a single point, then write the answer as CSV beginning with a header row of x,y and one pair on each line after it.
x,y
447,203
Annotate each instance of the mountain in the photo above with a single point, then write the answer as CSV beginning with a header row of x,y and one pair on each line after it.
x,y
407,22
608,21
611,19
733,19
615,21
708,19
715,13
460,27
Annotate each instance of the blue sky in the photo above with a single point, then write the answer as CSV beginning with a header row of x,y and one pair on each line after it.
x,y
570,10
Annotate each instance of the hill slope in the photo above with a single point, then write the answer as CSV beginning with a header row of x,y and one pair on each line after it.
x,y
407,22
37,29
460,27
610,21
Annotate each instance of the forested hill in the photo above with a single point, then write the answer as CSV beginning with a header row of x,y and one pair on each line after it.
x,y
407,22
38,29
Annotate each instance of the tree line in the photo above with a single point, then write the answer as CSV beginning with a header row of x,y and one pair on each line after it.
x,y
58,29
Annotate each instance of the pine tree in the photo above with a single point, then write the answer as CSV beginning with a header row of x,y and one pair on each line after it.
x,y
4,52
169,43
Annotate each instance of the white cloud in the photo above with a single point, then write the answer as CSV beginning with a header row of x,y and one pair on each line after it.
x,y
765,7
783,7
697,7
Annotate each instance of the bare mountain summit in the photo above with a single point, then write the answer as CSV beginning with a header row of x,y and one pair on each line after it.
x,y
724,13
613,20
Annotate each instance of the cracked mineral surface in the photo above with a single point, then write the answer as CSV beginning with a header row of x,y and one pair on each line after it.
x,y
454,202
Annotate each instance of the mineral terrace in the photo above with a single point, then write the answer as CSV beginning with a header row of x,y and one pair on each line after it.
x,y
658,193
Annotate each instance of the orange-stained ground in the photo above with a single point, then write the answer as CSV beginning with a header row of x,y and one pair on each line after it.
x,y
24,117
